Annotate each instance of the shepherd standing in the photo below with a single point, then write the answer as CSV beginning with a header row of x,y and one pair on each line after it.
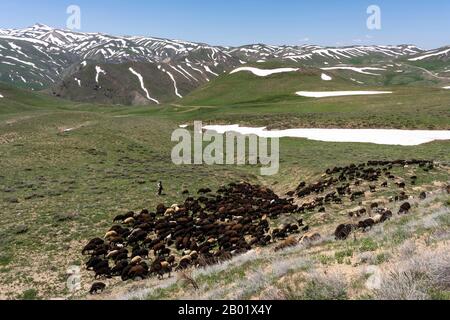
x,y
160,188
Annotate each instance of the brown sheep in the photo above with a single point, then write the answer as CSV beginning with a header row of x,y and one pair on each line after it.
x,y
288,242
129,221
366,224
111,234
136,260
310,238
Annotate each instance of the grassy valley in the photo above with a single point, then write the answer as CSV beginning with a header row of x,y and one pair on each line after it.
x,y
68,168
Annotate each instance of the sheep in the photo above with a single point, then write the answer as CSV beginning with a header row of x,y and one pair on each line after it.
x,y
119,218
204,190
101,251
404,208
343,231
119,267
169,212
160,209
193,255
366,224
104,271
125,272
140,252
160,246
136,260
111,234
121,256
160,267
112,254
356,195
97,288
139,271
184,262
129,221
310,238
92,262
288,242
166,268
92,245
377,218
386,215
401,185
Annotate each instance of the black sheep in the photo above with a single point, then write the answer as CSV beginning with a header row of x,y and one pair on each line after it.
x,y
404,208
343,231
97,287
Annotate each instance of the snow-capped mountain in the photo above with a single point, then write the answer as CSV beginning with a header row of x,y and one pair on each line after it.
x,y
442,54
133,69
318,54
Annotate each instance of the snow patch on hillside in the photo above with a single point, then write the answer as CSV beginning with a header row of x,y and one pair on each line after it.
x,y
210,71
326,77
141,80
377,136
174,84
98,70
323,94
1,96
446,51
263,72
360,82
448,87
24,62
359,70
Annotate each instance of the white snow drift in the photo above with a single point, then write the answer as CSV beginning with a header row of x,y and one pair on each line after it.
x,y
359,70
377,136
446,51
326,77
1,96
98,70
323,94
263,72
141,80
448,87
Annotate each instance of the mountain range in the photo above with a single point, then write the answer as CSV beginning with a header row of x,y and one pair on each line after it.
x,y
135,70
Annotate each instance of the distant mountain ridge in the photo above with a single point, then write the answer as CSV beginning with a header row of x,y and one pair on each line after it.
x,y
67,63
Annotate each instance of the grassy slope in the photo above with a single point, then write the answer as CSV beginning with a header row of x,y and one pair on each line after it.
x,y
66,187
245,98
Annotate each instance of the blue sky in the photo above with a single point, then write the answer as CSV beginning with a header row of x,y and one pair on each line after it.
x,y
237,22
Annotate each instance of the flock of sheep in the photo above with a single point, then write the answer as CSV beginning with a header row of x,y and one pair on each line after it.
x,y
214,227
201,231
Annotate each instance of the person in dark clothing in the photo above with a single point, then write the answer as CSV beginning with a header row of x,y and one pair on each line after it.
x,y
160,188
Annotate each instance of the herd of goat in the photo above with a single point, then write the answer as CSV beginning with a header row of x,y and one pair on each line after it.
x,y
214,227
